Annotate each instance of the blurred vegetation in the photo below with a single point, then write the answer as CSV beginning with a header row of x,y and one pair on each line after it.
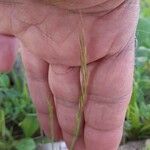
x,y
18,121
19,128
137,125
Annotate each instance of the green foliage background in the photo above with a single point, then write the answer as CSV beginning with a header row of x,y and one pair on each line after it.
x,y
137,125
19,128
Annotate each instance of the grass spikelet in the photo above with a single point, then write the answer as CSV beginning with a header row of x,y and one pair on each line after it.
x,y
84,85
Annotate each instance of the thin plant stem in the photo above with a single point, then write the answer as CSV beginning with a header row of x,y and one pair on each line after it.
x,y
51,121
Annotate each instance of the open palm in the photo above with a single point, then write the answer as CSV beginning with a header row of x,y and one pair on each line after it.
x,y
49,37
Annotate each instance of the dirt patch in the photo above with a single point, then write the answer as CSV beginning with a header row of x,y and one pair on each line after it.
x,y
140,145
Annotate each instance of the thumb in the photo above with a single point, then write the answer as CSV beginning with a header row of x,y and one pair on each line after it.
x,y
7,52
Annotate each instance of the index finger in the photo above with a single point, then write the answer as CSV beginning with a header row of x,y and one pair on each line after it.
x,y
7,52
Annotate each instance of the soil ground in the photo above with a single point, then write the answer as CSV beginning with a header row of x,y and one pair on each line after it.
x,y
139,145
134,146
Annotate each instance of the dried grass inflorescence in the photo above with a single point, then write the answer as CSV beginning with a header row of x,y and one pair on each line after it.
x,y
84,86
83,95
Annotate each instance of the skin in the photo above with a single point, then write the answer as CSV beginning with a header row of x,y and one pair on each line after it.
x,y
48,34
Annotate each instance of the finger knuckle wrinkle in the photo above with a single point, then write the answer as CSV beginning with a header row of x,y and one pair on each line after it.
x,y
105,115
67,102
98,98
61,69
34,74
36,77
105,129
71,131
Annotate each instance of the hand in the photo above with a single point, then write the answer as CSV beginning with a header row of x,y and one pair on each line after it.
x,y
7,52
49,36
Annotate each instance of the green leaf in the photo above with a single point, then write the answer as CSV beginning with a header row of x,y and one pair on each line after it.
x,y
3,145
144,111
143,52
143,32
145,83
133,113
140,61
4,81
25,144
30,125
145,129
145,8
2,123
17,79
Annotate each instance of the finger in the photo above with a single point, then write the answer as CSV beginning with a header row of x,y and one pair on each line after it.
x,y
37,76
110,87
7,52
65,84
